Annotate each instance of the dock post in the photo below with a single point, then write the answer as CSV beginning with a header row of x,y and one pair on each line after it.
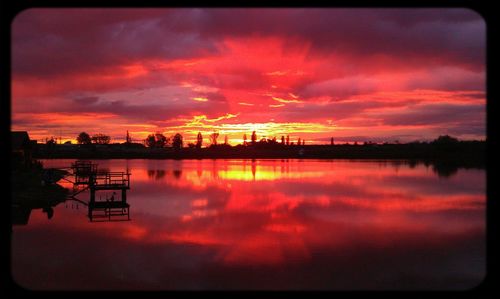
x,y
124,195
92,201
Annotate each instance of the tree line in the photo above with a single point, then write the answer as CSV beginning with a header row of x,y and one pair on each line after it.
x,y
159,140
84,138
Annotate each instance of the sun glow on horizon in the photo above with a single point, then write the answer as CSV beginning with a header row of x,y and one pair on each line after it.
x,y
199,99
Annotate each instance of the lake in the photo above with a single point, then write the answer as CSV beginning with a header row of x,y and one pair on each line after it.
x,y
266,225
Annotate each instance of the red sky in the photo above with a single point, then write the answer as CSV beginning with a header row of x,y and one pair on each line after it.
x,y
352,74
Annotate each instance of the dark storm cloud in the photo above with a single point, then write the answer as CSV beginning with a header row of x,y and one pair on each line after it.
x,y
85,101
336,110
435,114
49,42
153,112
53,42
448,35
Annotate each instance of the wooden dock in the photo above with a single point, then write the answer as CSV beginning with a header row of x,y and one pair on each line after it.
x,y
87,174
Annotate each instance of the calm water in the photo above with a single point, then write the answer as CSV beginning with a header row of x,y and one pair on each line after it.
x,y
265,224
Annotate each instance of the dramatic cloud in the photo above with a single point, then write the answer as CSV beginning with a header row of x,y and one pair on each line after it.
x,y
349,72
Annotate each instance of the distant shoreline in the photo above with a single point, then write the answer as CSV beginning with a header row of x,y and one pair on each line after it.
x,y
468,154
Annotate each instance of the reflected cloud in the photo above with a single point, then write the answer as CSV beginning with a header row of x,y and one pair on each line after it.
x,y
299,217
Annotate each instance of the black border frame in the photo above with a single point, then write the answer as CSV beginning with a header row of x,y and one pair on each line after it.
x,y
487,288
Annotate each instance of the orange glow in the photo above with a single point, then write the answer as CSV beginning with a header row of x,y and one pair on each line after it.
x,y
135,70
235,131
286,101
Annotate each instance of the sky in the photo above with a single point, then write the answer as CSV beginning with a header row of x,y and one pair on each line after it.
x,y
353,74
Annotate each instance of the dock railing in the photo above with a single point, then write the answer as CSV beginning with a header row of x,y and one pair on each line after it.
x,y
112,180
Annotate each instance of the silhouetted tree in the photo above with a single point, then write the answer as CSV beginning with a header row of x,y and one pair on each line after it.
x,y
225,140
298,142
445,139
331,141
168,141
213,138
157,140
191,145
150,141
128,139
52,141
199,140
245,139
83,138
254,137
303,142
177,141
68,142
287,139
101,139
445,143
282,139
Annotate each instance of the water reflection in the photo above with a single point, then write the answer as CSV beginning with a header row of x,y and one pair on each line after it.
x,y
177,173
444,169
156,174
20,212
272,224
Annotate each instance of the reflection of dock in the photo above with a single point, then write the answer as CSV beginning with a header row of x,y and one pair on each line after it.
x,y
87,175
105,210
83,172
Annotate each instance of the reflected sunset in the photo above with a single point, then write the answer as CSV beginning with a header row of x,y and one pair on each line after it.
x,y
296,213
